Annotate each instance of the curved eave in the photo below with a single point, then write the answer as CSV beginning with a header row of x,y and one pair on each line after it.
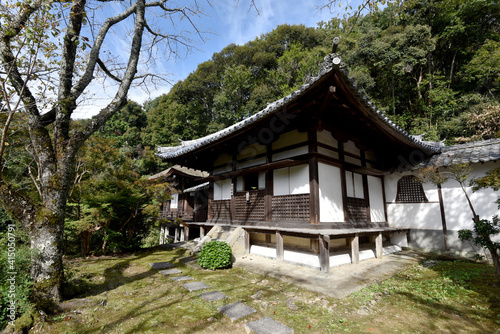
x,y
358,100
386,125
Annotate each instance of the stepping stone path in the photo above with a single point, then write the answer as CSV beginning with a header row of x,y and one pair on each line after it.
x,y
170,271
181,278
161,265
213,296
267,325
194,286
236,310
233,311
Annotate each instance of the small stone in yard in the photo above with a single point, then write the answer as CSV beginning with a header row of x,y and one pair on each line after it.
x,y
257,295
290,303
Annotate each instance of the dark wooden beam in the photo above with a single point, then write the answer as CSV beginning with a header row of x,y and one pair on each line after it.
x,y
313,178
343,182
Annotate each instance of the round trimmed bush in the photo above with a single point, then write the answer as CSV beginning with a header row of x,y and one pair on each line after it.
x,y
215,255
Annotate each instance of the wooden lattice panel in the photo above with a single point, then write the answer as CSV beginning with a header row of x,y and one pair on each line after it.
x,y
220,210
291,207
356,208
253,209
410,190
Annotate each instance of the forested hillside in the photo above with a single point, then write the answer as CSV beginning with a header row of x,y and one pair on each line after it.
x,y
432,66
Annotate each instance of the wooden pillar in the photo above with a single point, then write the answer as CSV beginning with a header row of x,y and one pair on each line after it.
x,y
210,200
324,253
343,181
182,237
202,232
366,194
268,197
379,251
176,235
247,242
233,199
355,249
186,233
280,253
382,178
313,177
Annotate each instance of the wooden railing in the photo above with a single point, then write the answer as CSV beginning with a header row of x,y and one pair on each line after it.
x,y
253,208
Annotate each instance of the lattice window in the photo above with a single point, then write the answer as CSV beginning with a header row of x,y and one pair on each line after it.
x,y
221,210
251,209
357,209
291,207
410,190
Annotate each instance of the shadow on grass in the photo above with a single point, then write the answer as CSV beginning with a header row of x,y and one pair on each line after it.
x,y
144,312
81,287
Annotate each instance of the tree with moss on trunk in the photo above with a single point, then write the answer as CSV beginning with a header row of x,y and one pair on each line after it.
x,y
51,54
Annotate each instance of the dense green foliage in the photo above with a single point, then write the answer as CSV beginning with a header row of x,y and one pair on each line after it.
x,y
215,255
14,269
432,66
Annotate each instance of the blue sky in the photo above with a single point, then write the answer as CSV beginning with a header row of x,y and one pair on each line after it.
x,y
225,22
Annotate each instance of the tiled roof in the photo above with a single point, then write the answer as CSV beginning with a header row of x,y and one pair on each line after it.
x,y
197,188
474,152
184,170
331,63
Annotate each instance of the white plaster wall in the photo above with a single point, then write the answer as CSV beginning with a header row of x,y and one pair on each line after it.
x,y
328,152
425,218
377,205
350,147
325,137
251,163
250,151
227,187
222,189
290,153
352,160
223,169
290,138
299,180
239,183
330,194
174,201
354,183
281,184
291,180
457,211
262,180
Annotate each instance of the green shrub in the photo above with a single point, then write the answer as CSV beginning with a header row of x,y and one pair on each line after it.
x,y
215,255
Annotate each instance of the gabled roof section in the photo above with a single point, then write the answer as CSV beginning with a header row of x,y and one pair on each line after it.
x,y
179,170
330,67
474,152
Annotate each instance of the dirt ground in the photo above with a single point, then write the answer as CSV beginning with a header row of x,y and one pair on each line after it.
x,y
341,280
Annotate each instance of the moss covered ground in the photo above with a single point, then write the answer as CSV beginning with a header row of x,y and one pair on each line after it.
x,y
123,294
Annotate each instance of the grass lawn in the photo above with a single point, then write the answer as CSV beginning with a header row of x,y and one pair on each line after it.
x,y
124,295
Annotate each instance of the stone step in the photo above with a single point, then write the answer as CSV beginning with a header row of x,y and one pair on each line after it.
x,y
181,278
267,325
212,296
171,271
161,265
194,286
236,310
